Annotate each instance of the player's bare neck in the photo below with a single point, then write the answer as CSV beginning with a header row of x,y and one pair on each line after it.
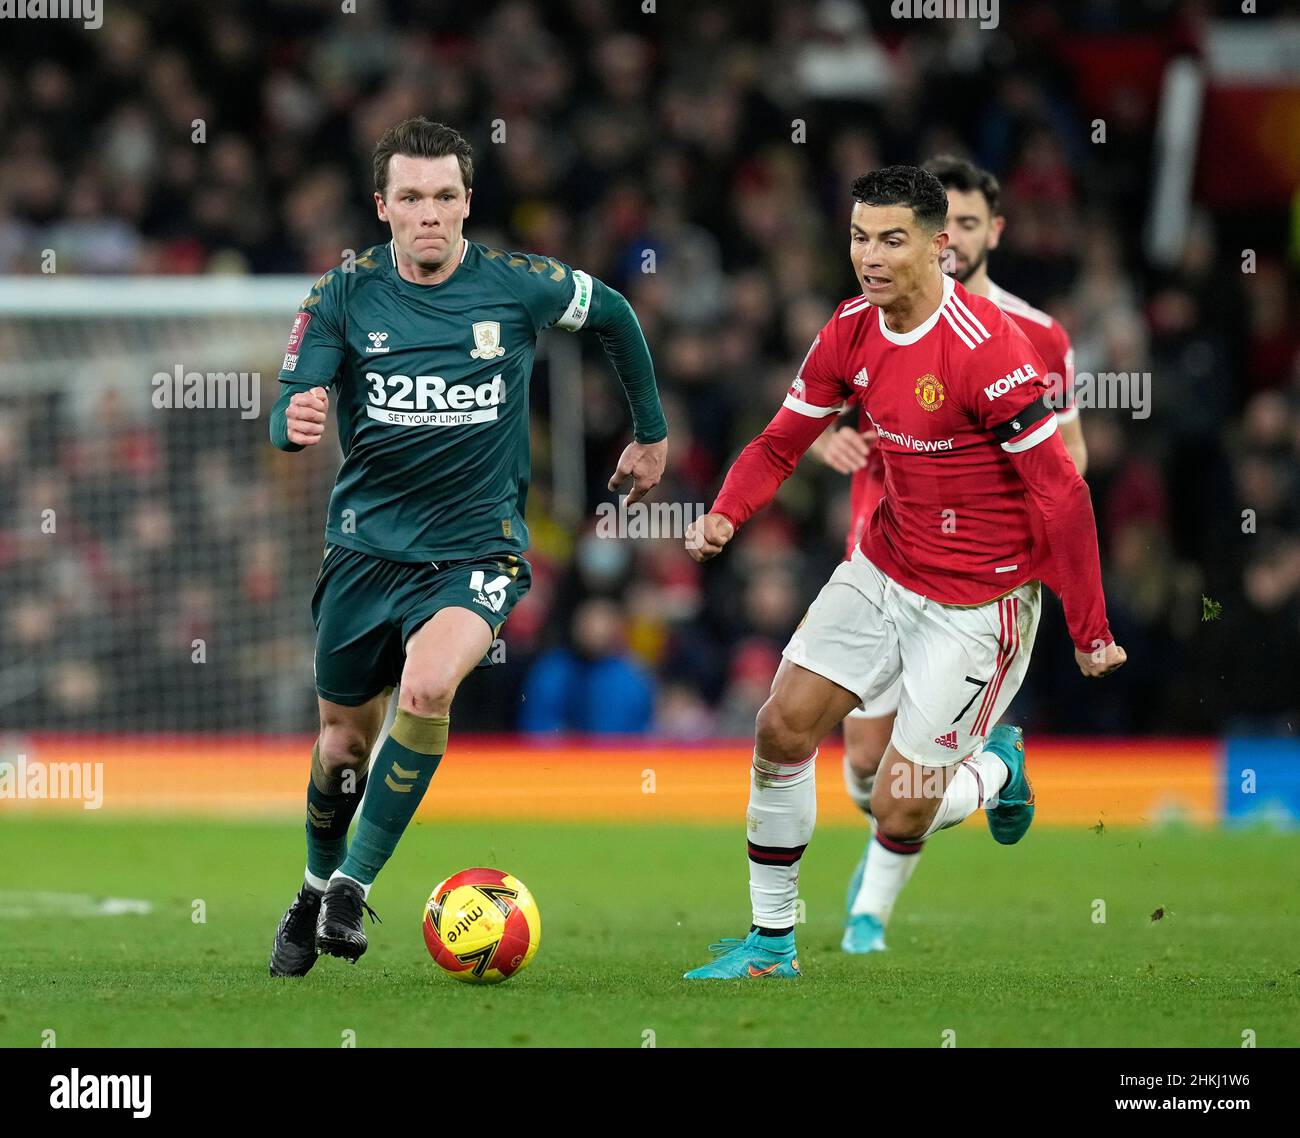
x,y
977,282
915,308
426,275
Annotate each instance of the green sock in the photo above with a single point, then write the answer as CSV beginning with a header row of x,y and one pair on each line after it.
x,y
329,814
402,772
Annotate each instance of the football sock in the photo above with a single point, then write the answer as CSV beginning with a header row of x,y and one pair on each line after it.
x,y
889,865
859,786
401,774
977,780
779,826
330,808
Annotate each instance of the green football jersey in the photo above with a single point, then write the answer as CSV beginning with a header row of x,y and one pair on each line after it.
x,y
430,389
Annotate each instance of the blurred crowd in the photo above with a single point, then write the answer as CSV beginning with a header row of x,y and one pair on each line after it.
x,y
722,138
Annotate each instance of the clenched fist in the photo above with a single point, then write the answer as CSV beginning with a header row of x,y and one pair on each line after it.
x,y
305,417
1102,662
706,536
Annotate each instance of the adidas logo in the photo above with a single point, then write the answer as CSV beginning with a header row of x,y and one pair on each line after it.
x,y
949,740
860,380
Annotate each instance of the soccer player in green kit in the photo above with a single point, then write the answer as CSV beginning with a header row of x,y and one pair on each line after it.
x,y
427,343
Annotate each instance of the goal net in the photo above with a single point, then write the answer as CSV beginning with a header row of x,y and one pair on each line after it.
x,y
157,554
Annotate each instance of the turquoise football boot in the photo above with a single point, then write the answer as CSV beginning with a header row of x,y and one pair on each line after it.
x,y
1014,812
863,933
754,958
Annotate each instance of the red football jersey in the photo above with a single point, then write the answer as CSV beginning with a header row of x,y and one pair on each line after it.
x,y
1052,343
968,442
866,488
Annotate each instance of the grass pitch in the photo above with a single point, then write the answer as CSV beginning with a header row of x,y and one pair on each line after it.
x,y
1000,946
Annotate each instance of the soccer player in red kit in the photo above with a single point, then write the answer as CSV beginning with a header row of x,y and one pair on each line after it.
x,y
974,227
981,501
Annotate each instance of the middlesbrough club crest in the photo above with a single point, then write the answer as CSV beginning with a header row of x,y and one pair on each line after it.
x,y
929,393
487,335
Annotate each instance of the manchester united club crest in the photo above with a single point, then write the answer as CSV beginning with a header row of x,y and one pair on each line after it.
x,y
487,335
929,393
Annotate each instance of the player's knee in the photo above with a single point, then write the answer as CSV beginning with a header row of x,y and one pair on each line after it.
x,y
865,742
343,747
863,758
428,695
778,739
903,819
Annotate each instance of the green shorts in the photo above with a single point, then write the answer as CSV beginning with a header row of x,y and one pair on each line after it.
x,y
366,609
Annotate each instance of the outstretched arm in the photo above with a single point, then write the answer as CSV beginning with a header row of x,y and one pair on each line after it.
x,y
755,476
816,395
1060,495
612,319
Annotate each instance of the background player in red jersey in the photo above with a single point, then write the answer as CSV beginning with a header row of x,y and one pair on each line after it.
x,y
981,501
974,227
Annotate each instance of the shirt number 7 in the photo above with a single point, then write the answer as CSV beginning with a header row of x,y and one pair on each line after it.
x,y
980,685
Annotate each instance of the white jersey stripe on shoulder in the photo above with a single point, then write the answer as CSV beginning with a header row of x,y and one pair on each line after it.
x,y
954,314
1009,302
1044,430
965,339
856,306
961,307
811,409
1033,315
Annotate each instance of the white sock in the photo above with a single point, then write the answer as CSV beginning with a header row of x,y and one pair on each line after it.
x,y
365,889
889,866
779,825
320,884
859,786
975,783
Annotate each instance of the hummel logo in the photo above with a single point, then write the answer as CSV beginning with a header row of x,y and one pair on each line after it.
x,y
798,388
949,740
376,341
860,380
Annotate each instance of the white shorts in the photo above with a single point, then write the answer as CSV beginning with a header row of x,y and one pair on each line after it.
x,y
955,669
884,704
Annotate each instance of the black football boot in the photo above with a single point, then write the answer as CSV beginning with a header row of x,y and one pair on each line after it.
x,y
293,951
338,928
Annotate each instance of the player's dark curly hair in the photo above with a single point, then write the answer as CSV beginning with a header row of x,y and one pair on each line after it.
x,y
420,138
959,174
909,186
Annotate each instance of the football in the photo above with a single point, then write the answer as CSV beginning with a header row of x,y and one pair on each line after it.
x,y
482,926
